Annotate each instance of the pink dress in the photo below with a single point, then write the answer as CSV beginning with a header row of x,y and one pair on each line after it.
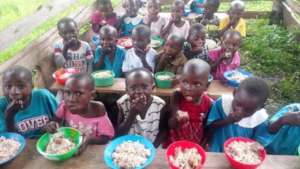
x,y
223,66
95,126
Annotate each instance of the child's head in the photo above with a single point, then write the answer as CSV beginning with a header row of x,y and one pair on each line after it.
x,y
17,84
211,7
236,10
139,83
197,35
141,37
68,30
194,79
78,92
231,40
173,46
250,96
153,7
108,36
177,10
104,6
130,7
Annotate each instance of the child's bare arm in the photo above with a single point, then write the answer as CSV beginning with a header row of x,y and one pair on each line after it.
x,y
167,29
100,63
231,118
161,63
288,119
173,122
162,134
10,113
125,125
216,63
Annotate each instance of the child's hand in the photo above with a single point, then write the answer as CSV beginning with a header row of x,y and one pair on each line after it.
x,y
182,116
236,116
292,118
13,108
138,104
84,144
52,127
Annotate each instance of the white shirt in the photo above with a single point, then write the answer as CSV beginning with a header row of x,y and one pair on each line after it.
x,y
183,30
132,61
157,26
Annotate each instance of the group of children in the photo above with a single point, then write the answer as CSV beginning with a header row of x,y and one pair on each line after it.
x,y
190,115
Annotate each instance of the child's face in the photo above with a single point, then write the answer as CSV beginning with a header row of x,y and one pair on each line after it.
x,y
140,42
192,85
172,48
69,33
231,43
77,95
196,39
235,14
153,9
177,13
130,9
108,42
209,10
16,87
106,8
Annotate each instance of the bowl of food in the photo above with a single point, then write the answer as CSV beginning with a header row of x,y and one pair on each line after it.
x,y
185,154
128,152
164,80
61,75
125,42
244,153
156,42
235,77
103,78
61,145
11,145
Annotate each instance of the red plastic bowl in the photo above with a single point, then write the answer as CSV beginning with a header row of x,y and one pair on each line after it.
x,y
61,75
184,144
238,165
125,42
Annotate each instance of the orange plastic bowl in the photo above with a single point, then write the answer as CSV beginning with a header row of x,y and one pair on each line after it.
x,y
61,75
184,144
238,165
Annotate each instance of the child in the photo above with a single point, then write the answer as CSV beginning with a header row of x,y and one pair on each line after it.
x,y
208,17
285,127
139,111
155,21
22,109
197,6
79,111
189,105
130,19
227,56
240,115
234,20
195,46
171,58
70,52
141,55
176,24
109,56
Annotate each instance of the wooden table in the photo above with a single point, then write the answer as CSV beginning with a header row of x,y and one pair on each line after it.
x,y
215,89
92,158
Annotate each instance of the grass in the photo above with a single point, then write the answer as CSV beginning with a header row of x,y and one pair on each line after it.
x,y
40,30
14,10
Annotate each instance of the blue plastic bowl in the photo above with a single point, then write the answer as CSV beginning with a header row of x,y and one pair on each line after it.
x,y
235,83
110,148
19,138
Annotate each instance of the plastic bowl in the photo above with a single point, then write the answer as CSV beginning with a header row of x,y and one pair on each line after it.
x,y
164,84
71,133
156,42
238,165
125,42
17,137
62,75
184,144
232,82
110,148
103,82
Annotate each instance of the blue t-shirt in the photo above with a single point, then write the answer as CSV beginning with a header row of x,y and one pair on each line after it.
x,y
128,23
116,66
29,121
286,140
195,8
253,127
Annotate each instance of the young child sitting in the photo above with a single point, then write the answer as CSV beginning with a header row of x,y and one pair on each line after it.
x,y
240,115
189,105
139,111
109,56
285,127
234,19
227,56
79,111
141,55
195,46
176,24
171,58
22,109
131,19
208,17
70,52
155,21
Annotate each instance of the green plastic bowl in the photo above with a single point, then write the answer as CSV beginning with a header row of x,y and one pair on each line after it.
x,y
164,84
103,82
71,133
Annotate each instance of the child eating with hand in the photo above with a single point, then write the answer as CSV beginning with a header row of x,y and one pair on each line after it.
x,y
171,58
189,105
141,55
22,109
227,56
139,111
240,115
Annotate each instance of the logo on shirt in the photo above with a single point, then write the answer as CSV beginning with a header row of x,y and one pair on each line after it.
x,y
32,124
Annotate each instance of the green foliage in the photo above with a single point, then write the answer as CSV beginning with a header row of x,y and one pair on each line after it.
x,y
255,5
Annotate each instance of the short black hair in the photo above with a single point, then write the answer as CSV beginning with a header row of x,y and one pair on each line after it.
x,y
196,65
142,30
255,87
232,33
178,3
215,3
138,70
198,28
19,70
66,20
107,29
86,77
103,2
178,39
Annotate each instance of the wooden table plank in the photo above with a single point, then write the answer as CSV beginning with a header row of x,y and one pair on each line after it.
x,y
215,89
92,158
